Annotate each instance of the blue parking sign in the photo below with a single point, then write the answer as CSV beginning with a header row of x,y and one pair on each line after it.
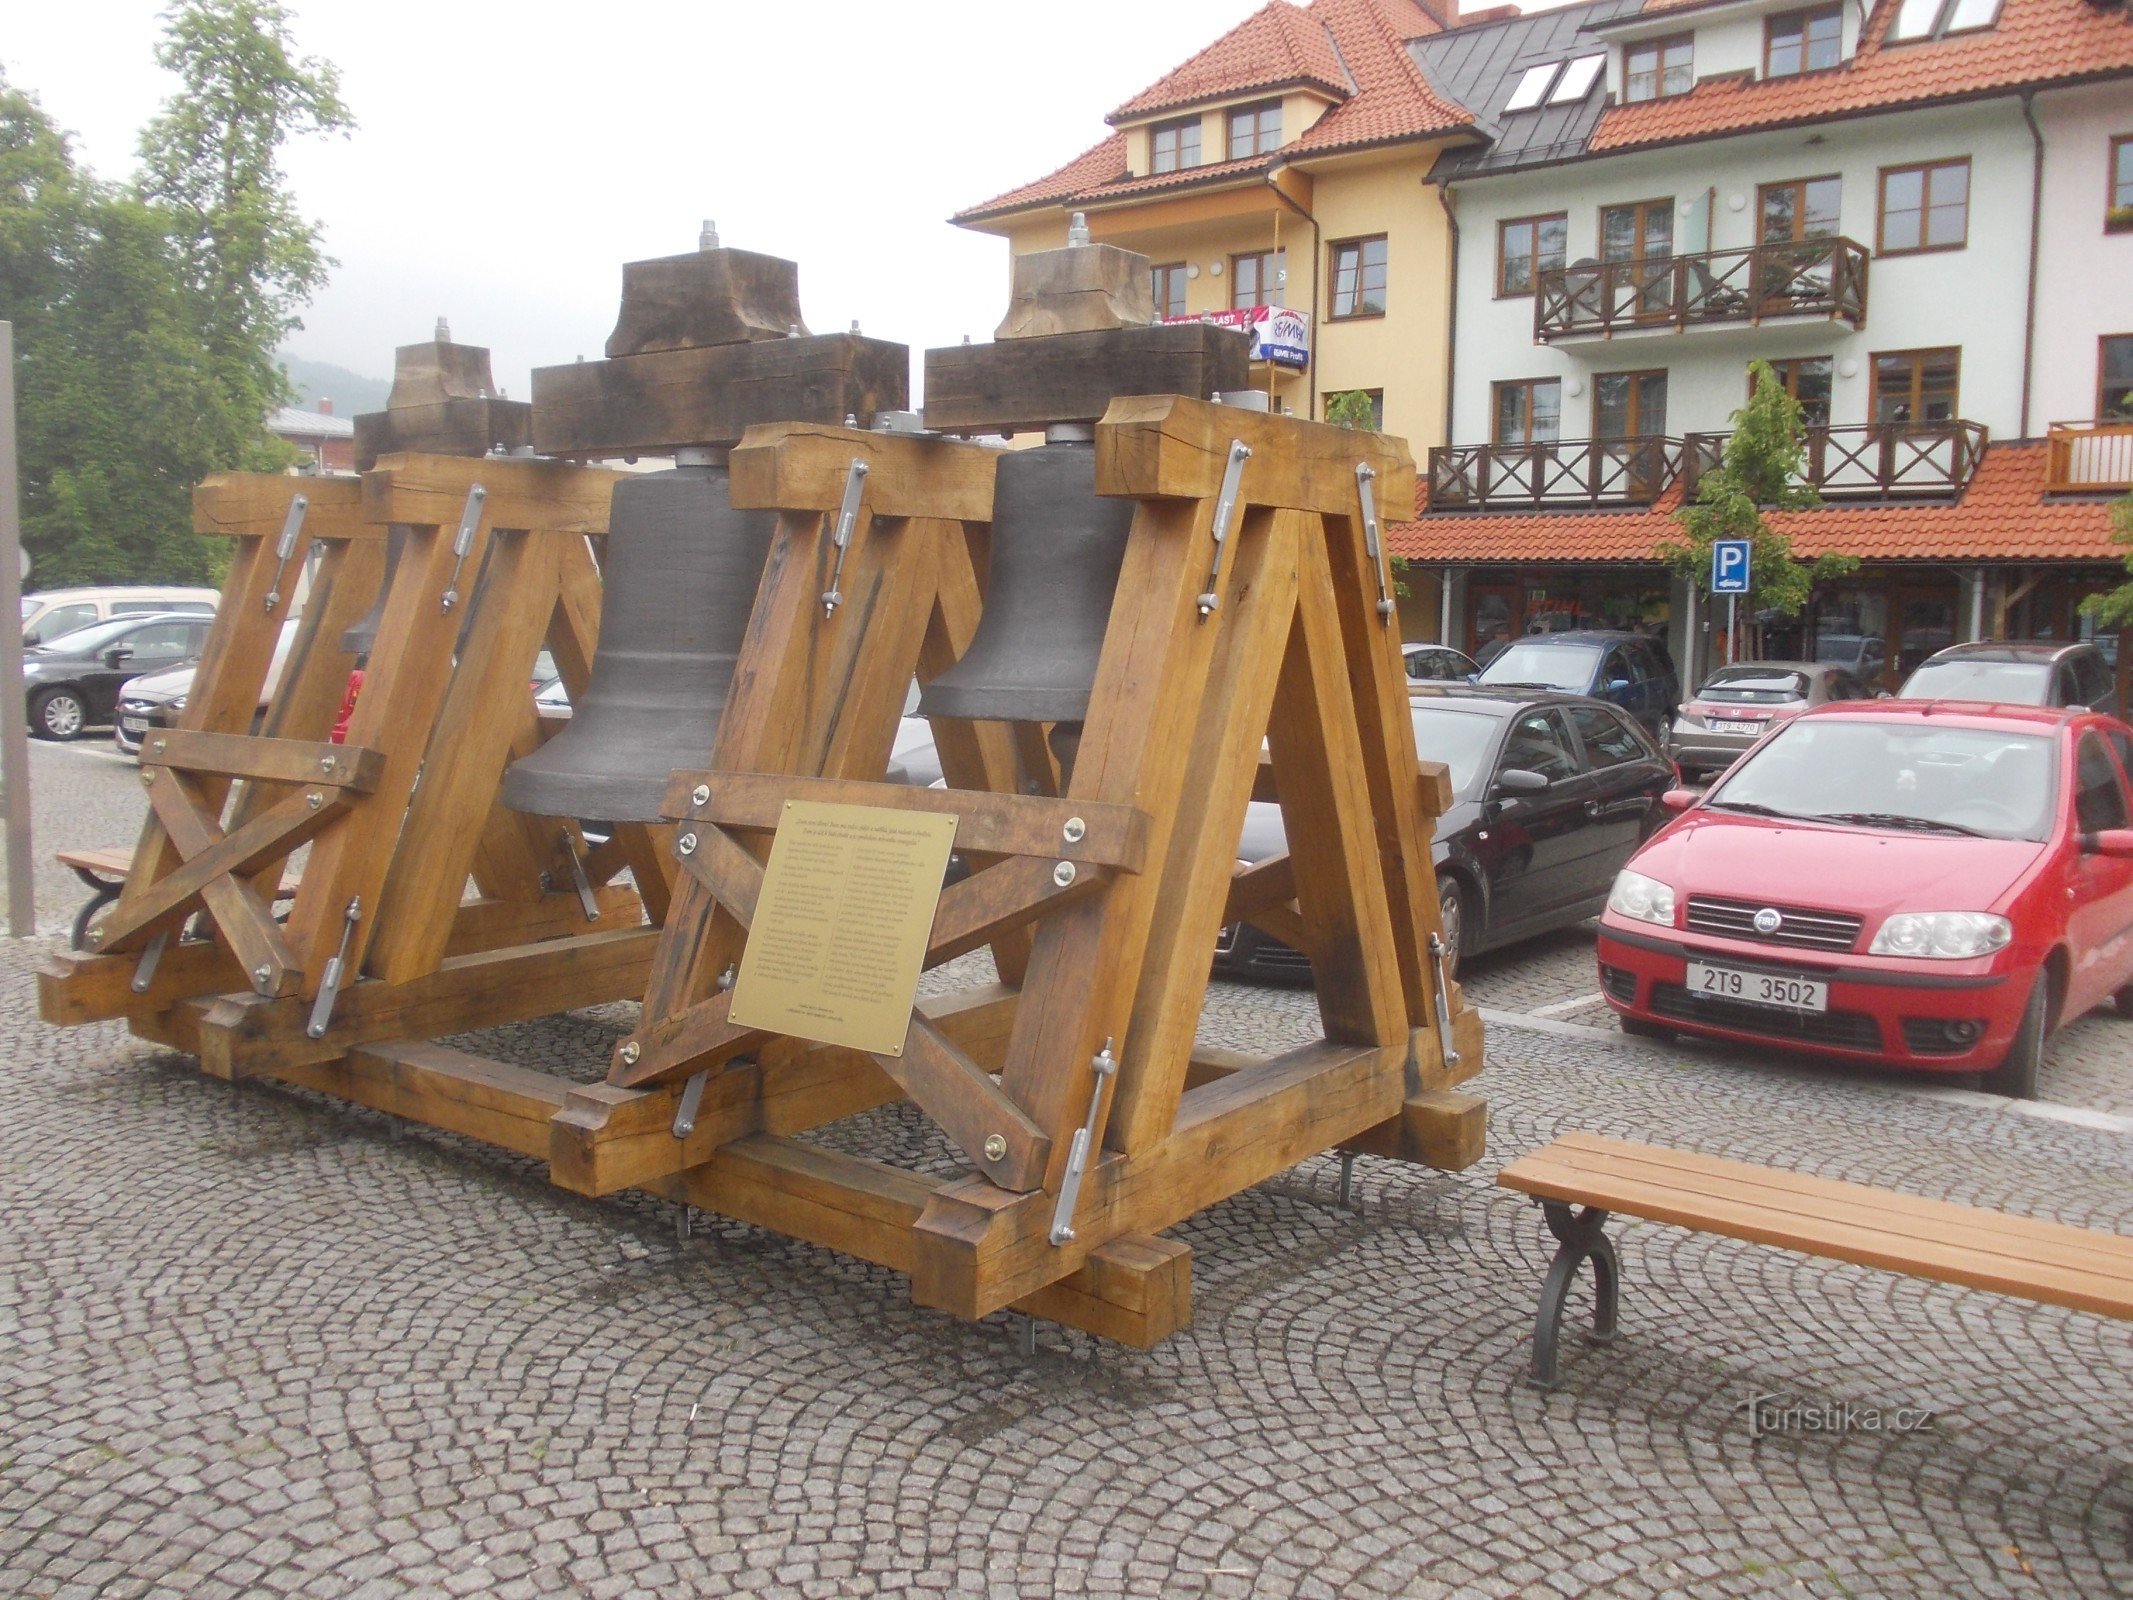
x,y
1729,566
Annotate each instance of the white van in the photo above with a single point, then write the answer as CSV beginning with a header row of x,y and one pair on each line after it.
x,y
52,612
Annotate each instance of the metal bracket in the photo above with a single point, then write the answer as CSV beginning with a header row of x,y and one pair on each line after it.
x,y
586,898
329,989
1365,476
144,971
1444,1000
292,528
463,540
1104,1064
1225,508
855,483
692,1101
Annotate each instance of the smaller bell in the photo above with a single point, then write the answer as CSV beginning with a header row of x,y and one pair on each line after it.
x,y
358,637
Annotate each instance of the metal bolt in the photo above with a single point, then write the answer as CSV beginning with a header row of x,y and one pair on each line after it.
x,y
262,975
148,775
1063,874
729,977
700,795
1075,830
314,799
688,844
162,745
326,763
96,936
630,1052
995,1147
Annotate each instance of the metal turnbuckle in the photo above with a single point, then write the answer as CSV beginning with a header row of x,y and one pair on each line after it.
x,y
1225,508
1104,1064
586,898
1444,1000
329,989
144,970
292,529
692,1101
463,540
855,485
1365,476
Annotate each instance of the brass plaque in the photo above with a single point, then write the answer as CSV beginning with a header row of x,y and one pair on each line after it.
x,y
841,925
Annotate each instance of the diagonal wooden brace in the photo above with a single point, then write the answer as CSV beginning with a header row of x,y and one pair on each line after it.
x,y
244,918
1001,1139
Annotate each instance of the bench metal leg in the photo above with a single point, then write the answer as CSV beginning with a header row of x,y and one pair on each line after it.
x,y
102,891
1580,1238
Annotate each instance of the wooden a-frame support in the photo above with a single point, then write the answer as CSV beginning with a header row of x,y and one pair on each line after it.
x,y
445,700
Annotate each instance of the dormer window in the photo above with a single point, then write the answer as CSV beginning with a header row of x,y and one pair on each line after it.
x,y
1174,145
1658,68
1936,19
1803,41
1255,130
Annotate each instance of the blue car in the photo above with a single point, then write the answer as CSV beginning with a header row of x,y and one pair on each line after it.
x,y
1625,669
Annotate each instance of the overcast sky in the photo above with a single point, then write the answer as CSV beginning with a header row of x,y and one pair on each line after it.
x,y
510,158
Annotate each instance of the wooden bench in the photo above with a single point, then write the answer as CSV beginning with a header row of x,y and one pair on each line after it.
x,y
2047,1262
104,871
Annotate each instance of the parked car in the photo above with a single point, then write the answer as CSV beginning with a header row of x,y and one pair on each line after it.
x,y
52,612
1865,656
1551,793
1737,705
1625,669
1437,663
2041,674
73,682
156,700
1926,885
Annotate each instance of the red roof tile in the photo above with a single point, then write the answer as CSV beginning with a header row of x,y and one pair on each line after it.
x,y
1384,99
2035,41
2004,516
1277,45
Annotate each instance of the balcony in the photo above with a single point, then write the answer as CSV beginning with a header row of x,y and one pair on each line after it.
x,y
2089,457
1558,472
1597,300
1867,461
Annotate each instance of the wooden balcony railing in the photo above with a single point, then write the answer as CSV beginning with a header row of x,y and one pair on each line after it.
x,y
1558,472
1598,299
2089,457
1868,461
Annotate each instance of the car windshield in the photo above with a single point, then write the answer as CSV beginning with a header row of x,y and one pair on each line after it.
x,y
2022,683
29,605
1754,686
1545,666
1459,739
1909,775
92,637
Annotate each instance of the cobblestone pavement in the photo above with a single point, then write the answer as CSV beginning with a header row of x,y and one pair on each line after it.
x,y
252,1342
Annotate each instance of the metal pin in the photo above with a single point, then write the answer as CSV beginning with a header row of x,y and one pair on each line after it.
x,y
841,534
1364,476
144,971
1347,1178
692,1100
329,988
1225,508
682,1216
1104,1064
463,540
1026,1335
292,527
588,902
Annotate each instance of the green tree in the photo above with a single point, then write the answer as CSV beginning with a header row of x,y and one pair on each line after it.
x,y
1764,468
2115,610
1351,408
147,317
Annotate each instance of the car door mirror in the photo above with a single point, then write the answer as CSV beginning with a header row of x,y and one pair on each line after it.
x,y
1518,780
1617,685
1679,799
117,654
2114,842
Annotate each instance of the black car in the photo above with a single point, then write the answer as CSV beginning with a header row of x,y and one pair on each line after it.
x,y
1551,793
1630,670
73,682
2044,673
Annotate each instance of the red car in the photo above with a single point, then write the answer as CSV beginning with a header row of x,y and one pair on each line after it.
x,y
1933,885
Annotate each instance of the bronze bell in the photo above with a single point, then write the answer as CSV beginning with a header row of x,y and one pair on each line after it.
x,y
1057,546
361,634
680,579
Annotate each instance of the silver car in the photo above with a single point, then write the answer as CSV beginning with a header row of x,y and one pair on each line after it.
x,y
1737,705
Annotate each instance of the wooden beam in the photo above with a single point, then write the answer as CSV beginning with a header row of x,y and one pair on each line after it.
x,y
1021,384
294,761
803,466
255,505
544,496
1165,446
441,1087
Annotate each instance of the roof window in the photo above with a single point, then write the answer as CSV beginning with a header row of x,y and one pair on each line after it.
x,y
1577,79
1934,19
1532,87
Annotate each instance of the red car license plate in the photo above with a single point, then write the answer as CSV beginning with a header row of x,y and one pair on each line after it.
x,y
1758,988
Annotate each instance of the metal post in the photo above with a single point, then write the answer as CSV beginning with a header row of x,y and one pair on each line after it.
x,y
14,714
1732,626
1691,666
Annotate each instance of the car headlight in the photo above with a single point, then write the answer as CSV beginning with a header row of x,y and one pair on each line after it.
x,y
1943,935
178,704
1642,899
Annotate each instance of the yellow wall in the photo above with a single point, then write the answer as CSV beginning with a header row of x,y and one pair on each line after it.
x,y
1299,109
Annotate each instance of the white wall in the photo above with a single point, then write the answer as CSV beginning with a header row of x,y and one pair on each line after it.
x,y
2084,276
1972,298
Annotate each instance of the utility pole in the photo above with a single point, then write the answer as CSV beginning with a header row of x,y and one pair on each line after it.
x,y
14,715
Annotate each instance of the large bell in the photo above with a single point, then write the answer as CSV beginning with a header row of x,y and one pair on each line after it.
x,y
681,575
1057,546
361,634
